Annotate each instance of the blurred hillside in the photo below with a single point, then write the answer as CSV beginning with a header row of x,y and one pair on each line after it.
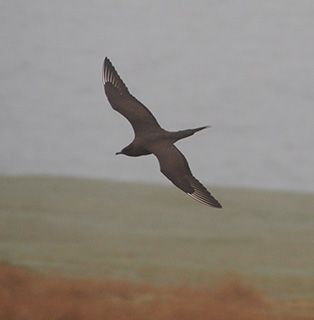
x,y
149,233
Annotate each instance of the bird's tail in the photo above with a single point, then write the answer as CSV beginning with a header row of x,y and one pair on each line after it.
x,y
186,133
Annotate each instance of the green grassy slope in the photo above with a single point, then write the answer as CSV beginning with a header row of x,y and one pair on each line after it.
x,y
143,232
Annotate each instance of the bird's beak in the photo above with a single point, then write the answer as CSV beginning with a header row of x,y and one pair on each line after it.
x,y
118,152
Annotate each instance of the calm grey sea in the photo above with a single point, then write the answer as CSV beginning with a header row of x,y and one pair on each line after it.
x,y
244,67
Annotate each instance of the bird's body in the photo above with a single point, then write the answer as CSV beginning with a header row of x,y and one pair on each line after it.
x,y
151,138
146,144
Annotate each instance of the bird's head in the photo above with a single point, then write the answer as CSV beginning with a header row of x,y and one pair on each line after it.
x,y
126,150
120,152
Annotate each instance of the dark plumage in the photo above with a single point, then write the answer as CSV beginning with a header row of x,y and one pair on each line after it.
x,y
150,138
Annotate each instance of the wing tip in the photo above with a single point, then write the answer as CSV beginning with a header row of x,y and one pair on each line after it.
x,y
109,74
107,65
201,194
218,206
209,201
106,62
104,67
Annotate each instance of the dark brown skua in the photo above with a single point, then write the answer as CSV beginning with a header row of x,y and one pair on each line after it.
x,y
150,138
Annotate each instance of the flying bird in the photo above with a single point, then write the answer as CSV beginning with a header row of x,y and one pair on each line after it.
x,y
151,138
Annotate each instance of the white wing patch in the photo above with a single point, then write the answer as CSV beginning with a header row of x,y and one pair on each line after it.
x,y
202,195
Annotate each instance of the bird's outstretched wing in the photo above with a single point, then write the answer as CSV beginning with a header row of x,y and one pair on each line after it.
x,y
175,167
122,101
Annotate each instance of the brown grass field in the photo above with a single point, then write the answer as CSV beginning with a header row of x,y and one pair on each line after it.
x,y
90,249
25,295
